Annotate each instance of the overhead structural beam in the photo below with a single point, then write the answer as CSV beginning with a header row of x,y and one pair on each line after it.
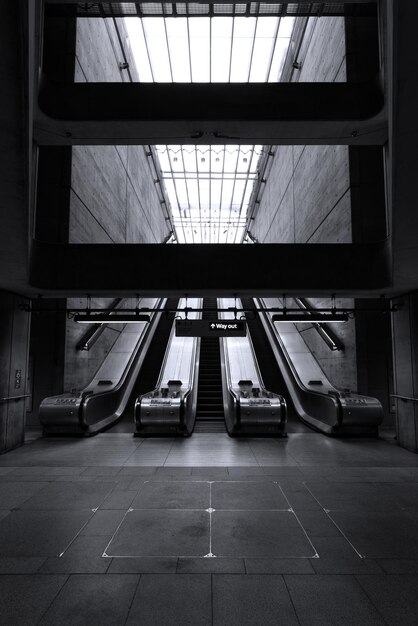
x,y
199,269
215,2
213,9
238,113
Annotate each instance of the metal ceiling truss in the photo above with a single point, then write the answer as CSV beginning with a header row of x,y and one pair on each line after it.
x,y
212,9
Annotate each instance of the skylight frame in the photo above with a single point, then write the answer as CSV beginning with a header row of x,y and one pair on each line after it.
x,y
190,205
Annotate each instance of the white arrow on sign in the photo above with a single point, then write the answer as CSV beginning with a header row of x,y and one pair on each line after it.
x,y
212,325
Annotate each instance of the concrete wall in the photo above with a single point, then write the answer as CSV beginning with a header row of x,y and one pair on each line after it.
x,y
90,194
113,194
307,198
81,365
14,347
405,357
307,194
114,197
340,366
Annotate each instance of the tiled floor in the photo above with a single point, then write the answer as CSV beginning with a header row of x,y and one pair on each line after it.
x,y
209,530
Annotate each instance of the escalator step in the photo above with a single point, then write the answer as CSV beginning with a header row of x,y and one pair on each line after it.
x,y
209,395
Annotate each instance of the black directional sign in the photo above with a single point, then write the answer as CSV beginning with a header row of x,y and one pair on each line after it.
x,y
211,328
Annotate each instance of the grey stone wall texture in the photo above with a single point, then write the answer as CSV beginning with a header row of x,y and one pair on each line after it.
x,y
306,198
113,194
113,197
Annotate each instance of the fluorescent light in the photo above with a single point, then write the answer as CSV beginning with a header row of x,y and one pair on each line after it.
x,y
309,318
105,318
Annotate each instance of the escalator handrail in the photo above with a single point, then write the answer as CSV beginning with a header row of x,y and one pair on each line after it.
x,y
276,335
190,390
127,379
166,355
143,338
296,388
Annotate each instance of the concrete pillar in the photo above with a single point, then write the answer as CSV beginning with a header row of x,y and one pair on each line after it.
x,y
14,149
14,349
405,351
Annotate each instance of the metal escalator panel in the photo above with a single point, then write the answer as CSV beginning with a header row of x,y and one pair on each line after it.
x,y
251,408
317,402
103,401
267,363
209,409
169,405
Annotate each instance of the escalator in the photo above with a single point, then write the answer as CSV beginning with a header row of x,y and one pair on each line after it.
x,y
210,408
102,403
150,368
251,408
269,368
168,407
316,401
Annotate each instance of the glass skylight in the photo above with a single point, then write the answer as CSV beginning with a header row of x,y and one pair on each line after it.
x,y
209,187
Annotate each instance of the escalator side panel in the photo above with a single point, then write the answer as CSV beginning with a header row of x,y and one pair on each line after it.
x,y
93,410
168,406
333,413
250,408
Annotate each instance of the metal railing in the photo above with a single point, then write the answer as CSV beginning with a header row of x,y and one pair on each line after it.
x,y
405,398
6,399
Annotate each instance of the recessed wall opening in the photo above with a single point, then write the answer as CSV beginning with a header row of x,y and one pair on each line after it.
x,y
234,192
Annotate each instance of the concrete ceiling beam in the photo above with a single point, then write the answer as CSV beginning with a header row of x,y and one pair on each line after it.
x,y
282,113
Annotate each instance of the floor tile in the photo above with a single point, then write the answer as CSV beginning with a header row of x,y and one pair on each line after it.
x,y
242,472
211,566
299,497
135,565
14,494
93,599
162,533
211,473
47,471
371,485
399,566
258,534
336,556
331,600
101,471
178,472
378,534
6,470
248,495
279,566
172,600
119,500
395,597
13,565
84,556
39,533
137,471
24,599
251,599
173,495
356,497
74,495
317,524
282,471
103,522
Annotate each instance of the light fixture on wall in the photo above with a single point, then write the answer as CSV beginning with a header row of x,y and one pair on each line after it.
x,y
302,317
115,318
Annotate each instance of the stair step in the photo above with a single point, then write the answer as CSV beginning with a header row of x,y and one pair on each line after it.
x,y
214,406
209,395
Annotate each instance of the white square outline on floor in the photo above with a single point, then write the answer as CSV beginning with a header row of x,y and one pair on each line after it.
x,y
209,510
